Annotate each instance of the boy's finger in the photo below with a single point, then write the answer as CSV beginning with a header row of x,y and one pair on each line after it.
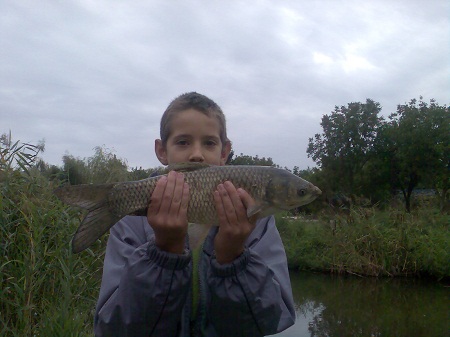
x,y
219,208
184,200
166,200
177,194
228,197
239,208
156,197
246,198
248,202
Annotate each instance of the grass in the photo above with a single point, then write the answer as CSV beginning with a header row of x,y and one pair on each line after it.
x,y
370,242
45,289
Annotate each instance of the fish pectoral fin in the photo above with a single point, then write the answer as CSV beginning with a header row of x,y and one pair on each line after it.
x,y
261,210
197,234
186,167
255,209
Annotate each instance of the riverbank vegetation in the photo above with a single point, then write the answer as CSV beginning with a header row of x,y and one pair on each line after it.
x,y
370,242
45,290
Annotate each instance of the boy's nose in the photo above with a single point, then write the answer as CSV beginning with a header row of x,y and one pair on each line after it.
x,y
196,155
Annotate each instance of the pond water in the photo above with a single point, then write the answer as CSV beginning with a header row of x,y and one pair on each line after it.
x,y
331,306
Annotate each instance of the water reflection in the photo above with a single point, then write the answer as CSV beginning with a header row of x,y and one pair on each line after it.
x,y
330,306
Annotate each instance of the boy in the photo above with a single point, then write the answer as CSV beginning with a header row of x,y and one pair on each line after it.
x,y
244,287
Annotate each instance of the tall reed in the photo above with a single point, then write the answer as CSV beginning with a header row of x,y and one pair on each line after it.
x,y
45,290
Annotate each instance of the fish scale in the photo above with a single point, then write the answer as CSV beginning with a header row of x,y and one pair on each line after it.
x,y
271,188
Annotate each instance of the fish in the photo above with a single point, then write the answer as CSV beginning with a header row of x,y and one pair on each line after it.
x,y
273,190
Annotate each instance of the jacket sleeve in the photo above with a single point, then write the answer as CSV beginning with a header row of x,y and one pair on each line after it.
x,y
252,296
143,289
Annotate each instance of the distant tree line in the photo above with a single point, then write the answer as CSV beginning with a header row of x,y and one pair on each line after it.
x,y
103,167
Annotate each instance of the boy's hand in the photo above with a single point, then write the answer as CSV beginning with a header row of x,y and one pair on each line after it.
x,y
167,212
234,226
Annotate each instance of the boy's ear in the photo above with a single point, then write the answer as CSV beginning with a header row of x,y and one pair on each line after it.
x,y
225,153
160,152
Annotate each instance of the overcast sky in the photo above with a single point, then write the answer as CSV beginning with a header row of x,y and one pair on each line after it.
x,y
82,74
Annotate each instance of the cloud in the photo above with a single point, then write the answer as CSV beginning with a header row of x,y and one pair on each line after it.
x,y
82,74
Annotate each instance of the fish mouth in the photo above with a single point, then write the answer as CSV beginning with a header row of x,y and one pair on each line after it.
x,y
316,191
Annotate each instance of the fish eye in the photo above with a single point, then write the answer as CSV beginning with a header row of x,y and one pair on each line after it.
x,y
301,192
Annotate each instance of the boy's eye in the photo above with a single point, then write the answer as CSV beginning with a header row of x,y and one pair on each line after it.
x,y
210,142
182,142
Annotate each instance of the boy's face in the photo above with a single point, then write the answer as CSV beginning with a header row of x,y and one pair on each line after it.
x,y
194,137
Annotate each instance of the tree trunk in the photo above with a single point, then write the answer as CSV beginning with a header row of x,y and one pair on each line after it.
x,y
443,207
413,180
407,197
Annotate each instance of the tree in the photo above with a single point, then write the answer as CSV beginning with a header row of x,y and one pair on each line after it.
x,y
243,159
346,142
136,173
102,167
74,170
105,167
415,145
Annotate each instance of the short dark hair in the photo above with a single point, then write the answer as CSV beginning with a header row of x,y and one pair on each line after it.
x,y
196,101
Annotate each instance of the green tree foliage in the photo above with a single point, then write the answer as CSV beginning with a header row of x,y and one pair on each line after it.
x,y
74,170
414,147
139,173
344,146
244,159
51,172
102,167
105,167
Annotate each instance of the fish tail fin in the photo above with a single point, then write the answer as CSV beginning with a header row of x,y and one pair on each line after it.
x,y
98,220
96,223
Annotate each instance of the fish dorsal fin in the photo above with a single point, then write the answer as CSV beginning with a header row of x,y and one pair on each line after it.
x,y
186,167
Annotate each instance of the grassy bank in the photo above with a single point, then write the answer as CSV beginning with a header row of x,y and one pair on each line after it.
x,y
370,242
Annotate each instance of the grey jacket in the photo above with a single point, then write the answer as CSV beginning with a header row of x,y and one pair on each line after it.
x,y
147,292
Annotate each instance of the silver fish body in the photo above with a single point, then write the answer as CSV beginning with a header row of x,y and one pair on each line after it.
x,y
272,189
